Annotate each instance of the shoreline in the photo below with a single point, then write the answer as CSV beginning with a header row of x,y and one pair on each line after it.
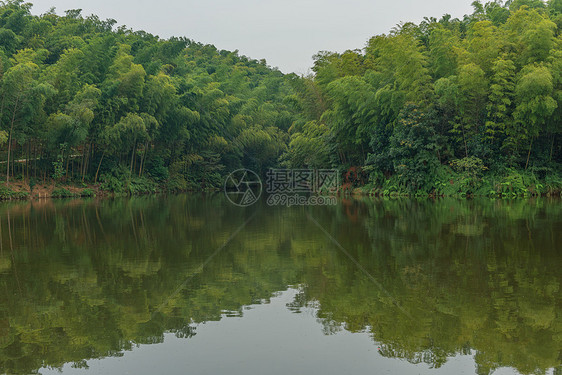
x,y
20,191
379,193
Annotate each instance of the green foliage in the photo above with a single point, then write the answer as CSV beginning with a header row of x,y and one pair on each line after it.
x,y
88,192
156,169
7,193
309,147
414,149
116,180
58,167
142,185
469,171
121,99
526,183
470,165
120,182
62,193
127,106
500,99
485,89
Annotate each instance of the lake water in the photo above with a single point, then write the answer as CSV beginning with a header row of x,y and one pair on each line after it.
x,y
192,284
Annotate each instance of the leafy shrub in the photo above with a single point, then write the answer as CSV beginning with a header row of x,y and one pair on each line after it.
x,y
156,169
141,185
7,193
88,193
116,180
520,183
62,193
469,173
413,148
178,183
553,184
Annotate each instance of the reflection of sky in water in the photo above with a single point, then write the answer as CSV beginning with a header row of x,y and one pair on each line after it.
x,y
268,339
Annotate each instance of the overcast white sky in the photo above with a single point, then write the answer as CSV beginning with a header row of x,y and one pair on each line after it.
x,y
286,33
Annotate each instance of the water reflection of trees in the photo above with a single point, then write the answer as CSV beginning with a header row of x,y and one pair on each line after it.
x,y
89,279
470,275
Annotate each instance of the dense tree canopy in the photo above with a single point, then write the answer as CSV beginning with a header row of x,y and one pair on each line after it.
x,y
448,106
83,100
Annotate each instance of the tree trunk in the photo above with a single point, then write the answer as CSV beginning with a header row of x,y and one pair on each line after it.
x,y
552,147
133,155
82,158
89,159
67,163
34,157
14,159
86,157
464,140
529,154
28,160
10,140
134,161
143,159
99,166
2,108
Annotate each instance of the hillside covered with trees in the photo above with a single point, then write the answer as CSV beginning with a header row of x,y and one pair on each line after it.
x,y
449,106
84,101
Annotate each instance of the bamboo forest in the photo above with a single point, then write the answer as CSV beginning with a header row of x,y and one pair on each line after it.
x,y
445,107
170,207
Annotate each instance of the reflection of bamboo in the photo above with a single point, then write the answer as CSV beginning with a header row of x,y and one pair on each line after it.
x,y
36,226
100,224
530,236
1,245
143,227
12,253
26,226
9,231
86,227
133,225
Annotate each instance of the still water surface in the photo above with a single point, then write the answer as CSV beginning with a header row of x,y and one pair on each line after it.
x,y
191,284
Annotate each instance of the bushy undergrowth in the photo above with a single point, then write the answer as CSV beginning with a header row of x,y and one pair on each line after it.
x,y
65,193
454,181
62,193
7,193
120,182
